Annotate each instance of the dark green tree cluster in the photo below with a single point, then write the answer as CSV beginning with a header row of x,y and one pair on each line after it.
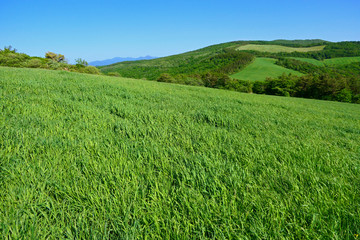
x,y
187,68
317,86
300,66
210,72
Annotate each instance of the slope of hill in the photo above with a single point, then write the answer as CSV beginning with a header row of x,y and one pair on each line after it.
x,y
261,69
197,62
118,59
194,62
91,157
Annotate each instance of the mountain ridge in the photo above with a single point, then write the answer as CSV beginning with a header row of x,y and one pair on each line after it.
x,y
119,59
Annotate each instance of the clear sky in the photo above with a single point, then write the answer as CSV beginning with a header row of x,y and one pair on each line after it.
x,y
97,30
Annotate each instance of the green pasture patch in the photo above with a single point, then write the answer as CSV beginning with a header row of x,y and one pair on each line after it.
x,y
341,60
262,68
278,48
310,60
95,157
330,62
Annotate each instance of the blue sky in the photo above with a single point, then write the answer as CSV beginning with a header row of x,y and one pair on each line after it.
x,y
96,30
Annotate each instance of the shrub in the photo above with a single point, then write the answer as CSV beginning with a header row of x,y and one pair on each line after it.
x,y
193,81
259,87
165,77
356,98
113,74
81,62
9,49
34,63
216,80
344,95
54,65
239,86
11,59
91,70
55,57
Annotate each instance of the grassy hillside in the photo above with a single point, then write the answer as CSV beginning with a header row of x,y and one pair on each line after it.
x,y
262,68
341,61
214,65
90,157
331,61
278,48
176,64
198,61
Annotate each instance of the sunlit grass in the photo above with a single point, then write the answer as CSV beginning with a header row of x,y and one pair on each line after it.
x,y
278,48
330,62
92,157
261,69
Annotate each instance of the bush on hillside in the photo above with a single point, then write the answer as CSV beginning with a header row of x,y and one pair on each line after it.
x,y
11,59
113,74
34,63
54,65
259,87
91,70
194,81
356,98
345,95
216,80
165,77
55,57
81,62
281,86
239,86
8,49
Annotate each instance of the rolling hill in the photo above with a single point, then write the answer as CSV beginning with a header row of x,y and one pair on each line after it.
x,y
203,60
90,157
196,63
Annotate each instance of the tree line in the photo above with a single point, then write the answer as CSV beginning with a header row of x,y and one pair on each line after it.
x,y
341,83
9,57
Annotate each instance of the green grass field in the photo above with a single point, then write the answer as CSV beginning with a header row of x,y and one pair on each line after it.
x,y
94,157
331,61
278,48
262,68
310,60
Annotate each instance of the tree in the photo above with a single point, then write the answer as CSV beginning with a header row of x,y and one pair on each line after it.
x,y
81,62
9,49
165,77
55,57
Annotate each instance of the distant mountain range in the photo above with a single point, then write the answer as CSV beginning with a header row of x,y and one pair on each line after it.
x,y
118,59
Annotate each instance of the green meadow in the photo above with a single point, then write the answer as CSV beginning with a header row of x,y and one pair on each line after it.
x,y
278,48
341,61
95,157
261,69
330,62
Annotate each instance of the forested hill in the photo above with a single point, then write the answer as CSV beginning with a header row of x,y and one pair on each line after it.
x,y
217,57
232,66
